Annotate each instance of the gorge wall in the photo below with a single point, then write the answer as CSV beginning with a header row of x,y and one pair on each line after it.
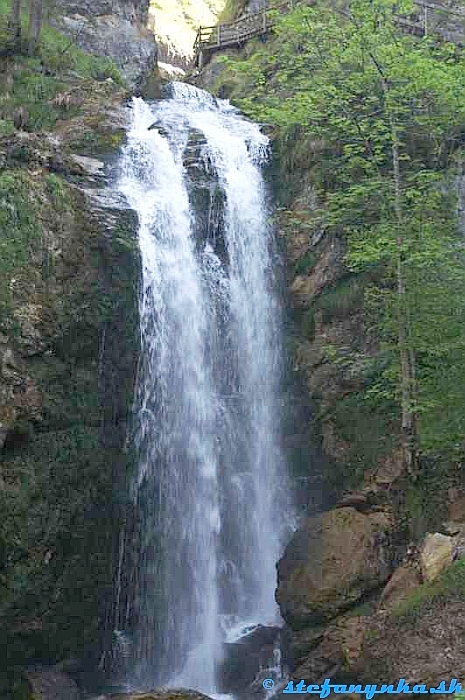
x,y
69,276
175,24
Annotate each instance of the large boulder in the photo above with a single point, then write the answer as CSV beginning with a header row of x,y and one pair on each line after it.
x,y
248,660
116,29
332,561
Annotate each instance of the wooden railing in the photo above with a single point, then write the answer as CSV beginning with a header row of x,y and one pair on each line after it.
x,y
433,17
235,33
429,18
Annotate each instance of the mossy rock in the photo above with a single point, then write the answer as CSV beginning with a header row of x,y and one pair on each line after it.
x,y
332,562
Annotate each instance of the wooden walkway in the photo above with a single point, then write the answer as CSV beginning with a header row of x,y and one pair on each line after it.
x,y
432,17
210,39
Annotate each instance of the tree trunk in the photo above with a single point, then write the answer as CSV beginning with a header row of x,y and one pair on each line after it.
x,y
406,353
15,21
407,358
35,24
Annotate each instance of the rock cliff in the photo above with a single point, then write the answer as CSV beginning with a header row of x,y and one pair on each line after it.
x,y
117,30
175,24
69,273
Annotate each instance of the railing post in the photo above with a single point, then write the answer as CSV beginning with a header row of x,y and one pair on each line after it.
x,y
218,35
264,20
426,21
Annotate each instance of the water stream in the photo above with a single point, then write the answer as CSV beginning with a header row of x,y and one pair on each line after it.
x,y
211,483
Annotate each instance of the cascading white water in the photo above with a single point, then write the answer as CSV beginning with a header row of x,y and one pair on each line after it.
x,y
211,484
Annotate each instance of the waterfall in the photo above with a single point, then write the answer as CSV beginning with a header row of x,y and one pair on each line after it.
x,y
210,486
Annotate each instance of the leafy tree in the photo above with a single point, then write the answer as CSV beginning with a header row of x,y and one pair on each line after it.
x,y
391,108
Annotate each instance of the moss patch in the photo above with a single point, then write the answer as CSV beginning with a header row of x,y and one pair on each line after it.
x,y
20,232
370,435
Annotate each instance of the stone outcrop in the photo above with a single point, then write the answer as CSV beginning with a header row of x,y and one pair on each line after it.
x,y
206,196
436,554
114,29
332,562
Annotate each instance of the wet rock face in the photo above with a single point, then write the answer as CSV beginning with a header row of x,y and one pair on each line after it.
x,y
114,29
206,197
134,10
248,661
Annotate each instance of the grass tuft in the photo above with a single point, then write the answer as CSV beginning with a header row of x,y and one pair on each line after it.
x,y
448,587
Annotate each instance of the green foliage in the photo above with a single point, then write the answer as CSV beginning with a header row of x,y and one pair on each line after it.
x,y
363,94
55,188
368,431
306,262
6,127
421,499
341,299
59,54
